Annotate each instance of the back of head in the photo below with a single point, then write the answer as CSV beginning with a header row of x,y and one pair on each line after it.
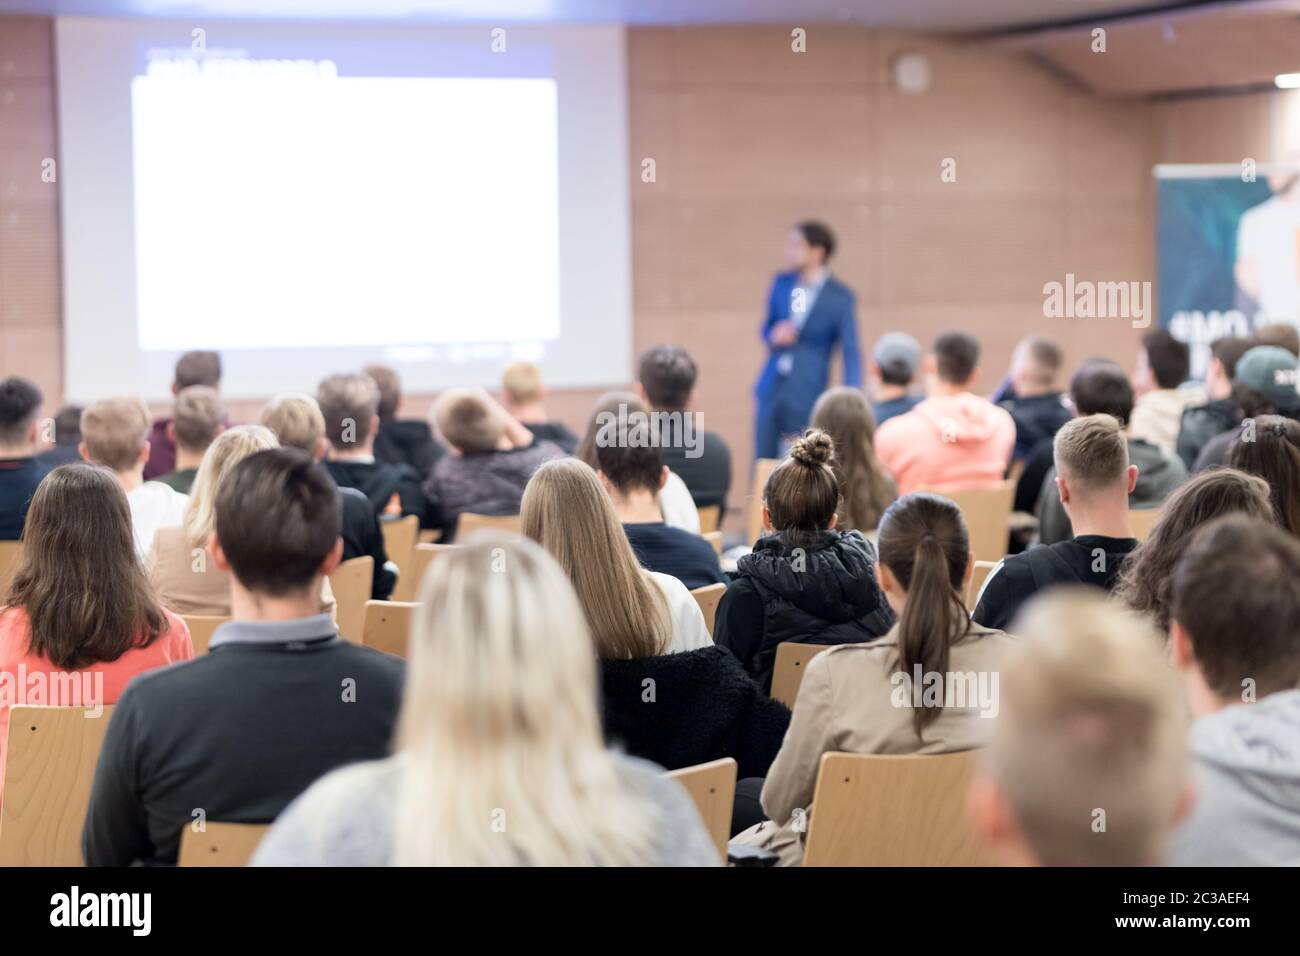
x,y
924,543
629,463
522,383
1282,335
390,389
467,421
1100,387
1091,455
897,355
1089,746
1228,350
567,512
956,357
348,402
67,425
226,451
1039,361
114,431
1169,359
20,400
79,580
1144,583
1236,594
667,373
802,494
1270,447
198,368
501,683
845,415
611,409
197,417
284,556
819,236
296,421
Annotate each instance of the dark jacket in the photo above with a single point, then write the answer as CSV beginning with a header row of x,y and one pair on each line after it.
x,y
18,480
705,469
61,454
826,594
379,481
1202,423
486,483
1087,559
701,706
1037,418
557,433
408,441
362,536
238,733
162,451
687,557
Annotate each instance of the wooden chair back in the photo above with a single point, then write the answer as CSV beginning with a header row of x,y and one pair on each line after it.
x,y
399,544
978,576
352,582
987,512
220,844
1142,520
762,471
714,538
712,787
468,523
388,626
201,627
710,518
11,553
707,598
791,660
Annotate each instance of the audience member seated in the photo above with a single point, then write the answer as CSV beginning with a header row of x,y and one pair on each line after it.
x,y
889,696
567,512
1265,385
615,410
115,434
1162,368
805,580
20,470
1282,335
845,414
192,368
493,457
400,441
667,376
500,711
1235,617
1146,574
184,577
632,473
1101,388
1221,413
955,438
891,372
524,397
79,613
67,438
1032,394
1090,722
350,406
1271,449
278,701
297,422
196,421
1093,481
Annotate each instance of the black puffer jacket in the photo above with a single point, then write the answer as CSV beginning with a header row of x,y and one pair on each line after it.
x,y
682,709
1202,423
825,593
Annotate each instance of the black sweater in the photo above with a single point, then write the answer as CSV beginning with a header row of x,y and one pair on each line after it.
x,y
237,733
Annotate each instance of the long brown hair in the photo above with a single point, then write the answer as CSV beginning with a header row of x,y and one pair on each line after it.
x,y
1146,577
84,590
924,543
802,494
1274,455
845,414
567,512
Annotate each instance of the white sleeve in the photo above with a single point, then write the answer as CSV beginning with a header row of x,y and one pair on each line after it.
x,y
677,505
689,630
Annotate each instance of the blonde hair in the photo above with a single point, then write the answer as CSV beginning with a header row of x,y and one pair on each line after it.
x,y
1091,451
114,431
568,513
296,420
505,762
1091,719
230,448
522,382
466,421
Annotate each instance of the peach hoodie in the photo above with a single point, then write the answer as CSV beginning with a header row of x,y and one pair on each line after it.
x,y
957,441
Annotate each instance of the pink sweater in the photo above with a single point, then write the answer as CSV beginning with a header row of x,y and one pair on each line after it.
x,y
954,441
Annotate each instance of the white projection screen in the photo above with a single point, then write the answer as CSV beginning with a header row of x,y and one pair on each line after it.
x,y
306,199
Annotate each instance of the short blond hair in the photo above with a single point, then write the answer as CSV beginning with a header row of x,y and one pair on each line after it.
x,y
296,420
1091,451
466,421
197,417
115,430
230,448
522,382
348,400
1089,747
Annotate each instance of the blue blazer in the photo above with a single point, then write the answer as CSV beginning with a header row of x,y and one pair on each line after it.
x,y
832,321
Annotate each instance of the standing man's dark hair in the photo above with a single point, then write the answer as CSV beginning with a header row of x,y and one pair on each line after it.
x,y
667,373
1169,359
819,236
956,356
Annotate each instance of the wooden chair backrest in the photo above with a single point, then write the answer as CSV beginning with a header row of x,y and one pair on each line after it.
x,y
11,553
712,787
468,523
710,518
201,627
49,767
425,555
978,576
762,471
787,675
892,810
399,544
352,582
714,538
987,512
220,844
707,598
1142,520
388,626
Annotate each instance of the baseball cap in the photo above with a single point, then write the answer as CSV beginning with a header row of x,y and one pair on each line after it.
x,y
898,355
1271,371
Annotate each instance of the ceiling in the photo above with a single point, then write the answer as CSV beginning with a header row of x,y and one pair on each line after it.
x,y
921,15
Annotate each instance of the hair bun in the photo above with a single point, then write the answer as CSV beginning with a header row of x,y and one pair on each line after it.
x,y
815,448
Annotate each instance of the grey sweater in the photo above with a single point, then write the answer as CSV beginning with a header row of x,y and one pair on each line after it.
x,y
346,819
1247,810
